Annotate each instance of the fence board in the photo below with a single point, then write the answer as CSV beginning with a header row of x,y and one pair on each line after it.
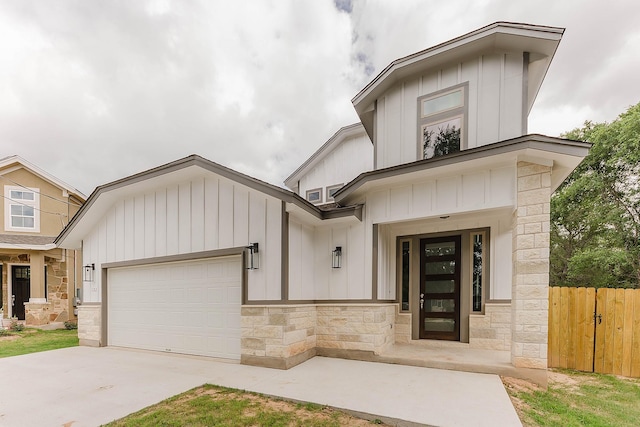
x,y
627,332
601,307
553,351
635,345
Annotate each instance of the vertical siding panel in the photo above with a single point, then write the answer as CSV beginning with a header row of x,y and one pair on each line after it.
x,y
226,214
240,216
257,218
295,265
173,218
111,235
211,224
393,125
380,160
161,222
119,231
470,74
184,218
139,227
321,261
197,215
273,238
511,98
149,225
410,132
307,262
429,83
355,261
489,101
449,77
129,229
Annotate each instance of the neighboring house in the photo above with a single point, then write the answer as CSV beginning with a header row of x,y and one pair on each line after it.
x,y
429,220
38,279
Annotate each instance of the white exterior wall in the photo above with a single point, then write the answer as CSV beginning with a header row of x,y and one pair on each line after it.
x,y
474,199
342,164
205,213
310,274
495,106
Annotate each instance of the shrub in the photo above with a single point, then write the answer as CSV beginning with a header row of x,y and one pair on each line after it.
x,y
4,332
15,326
70,325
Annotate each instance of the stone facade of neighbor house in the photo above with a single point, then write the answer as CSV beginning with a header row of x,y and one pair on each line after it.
x,y
425,224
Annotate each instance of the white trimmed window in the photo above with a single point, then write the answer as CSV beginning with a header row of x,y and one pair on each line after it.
x,y
21,209
331,190
315,196
442,122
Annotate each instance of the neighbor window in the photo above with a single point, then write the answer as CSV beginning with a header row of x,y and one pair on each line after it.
x,y
22,211
315,196
331,190
441,121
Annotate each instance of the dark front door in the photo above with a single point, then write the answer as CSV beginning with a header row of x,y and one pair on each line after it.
x,y
440,288
20,288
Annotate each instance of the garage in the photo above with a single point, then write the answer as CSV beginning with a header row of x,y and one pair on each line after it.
x,y
188,307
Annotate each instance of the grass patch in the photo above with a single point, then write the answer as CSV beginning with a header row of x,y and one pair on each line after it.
x,y
579,399
34,340
210,405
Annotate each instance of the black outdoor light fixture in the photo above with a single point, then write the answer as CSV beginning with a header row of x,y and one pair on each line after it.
x,y
88,272
336,257
253,256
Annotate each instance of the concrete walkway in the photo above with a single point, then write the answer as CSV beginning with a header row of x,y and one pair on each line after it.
x,y
83,386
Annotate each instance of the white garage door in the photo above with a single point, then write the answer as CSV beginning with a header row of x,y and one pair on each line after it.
x,y
190,307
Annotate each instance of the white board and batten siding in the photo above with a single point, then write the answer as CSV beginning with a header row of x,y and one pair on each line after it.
x,y
495,106
346,161
311,276
202,214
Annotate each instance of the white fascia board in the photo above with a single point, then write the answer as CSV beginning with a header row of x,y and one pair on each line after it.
x,y
28,247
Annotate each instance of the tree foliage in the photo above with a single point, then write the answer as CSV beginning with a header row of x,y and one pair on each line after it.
x,y
595,214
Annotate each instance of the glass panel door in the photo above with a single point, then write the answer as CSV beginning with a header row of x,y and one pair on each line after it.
x,y
440,288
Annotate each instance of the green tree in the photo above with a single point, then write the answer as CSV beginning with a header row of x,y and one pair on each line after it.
x,y
595,214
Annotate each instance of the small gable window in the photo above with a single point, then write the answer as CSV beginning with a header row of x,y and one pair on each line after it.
x,y
21,209
331,190
315,196
442,122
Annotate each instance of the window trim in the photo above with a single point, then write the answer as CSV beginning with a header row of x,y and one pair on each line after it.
x,y
315,190
329,197
443,116
9,202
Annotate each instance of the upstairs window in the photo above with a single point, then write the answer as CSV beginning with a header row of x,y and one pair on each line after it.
x,y
331,190
442,122
315,196
22,209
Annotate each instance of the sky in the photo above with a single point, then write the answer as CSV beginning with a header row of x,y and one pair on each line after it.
x,y
94,91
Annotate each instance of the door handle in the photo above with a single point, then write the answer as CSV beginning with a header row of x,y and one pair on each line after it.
x,y
13,300
421,301
597,316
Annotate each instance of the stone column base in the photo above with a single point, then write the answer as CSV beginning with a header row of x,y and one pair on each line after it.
x,y
37,313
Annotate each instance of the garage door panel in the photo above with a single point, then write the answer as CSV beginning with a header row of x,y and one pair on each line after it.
x,y
188,307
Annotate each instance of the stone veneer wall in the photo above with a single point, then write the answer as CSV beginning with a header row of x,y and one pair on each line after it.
x,y
278,336
36,313
90,324
366,327
491,330
530,292
282,336
403,328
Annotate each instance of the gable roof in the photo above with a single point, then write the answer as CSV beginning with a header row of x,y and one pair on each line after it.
x,y
20,162
539,41
340,136
105,195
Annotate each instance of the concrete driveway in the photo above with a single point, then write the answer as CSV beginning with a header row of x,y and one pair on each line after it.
x,y
83,386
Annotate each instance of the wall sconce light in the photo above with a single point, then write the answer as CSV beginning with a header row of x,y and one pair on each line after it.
x,y
89,269
336,257
253,257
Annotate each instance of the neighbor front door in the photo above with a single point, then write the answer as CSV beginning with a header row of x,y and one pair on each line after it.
x,y
440,288
20,289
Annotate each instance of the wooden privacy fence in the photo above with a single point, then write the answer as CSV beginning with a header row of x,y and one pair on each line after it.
x,y
595,330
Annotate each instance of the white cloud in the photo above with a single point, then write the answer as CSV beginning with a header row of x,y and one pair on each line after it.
x,y
94,91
